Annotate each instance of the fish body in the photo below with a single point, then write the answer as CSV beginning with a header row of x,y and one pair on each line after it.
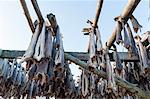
x,y
118,34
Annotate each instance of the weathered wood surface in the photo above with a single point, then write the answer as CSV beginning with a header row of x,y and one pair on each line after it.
x,y
126,13
37,10
98,11
27,14
124,56
119,81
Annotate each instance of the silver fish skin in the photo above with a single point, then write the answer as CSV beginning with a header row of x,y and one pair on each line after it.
x,y
98,40
118,34
59,58
132,41
135,24
12,67
143,54
31,48
48,44
118,61
126,40
40,46
92,45
5,68
1,65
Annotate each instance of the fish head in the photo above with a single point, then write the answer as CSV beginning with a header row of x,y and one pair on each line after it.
x,y
52,19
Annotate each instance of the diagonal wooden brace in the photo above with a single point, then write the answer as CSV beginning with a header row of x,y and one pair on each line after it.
x,y
119,81
127,12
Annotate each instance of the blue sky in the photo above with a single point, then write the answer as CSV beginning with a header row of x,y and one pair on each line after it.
x,y
71,16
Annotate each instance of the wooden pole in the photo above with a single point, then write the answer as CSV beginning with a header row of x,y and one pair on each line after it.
x,y
98,11
26,12
124,56
119,81
126,13
37,10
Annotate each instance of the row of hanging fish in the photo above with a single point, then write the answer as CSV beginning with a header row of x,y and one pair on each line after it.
x,y
93,86
16,82
90,86
46,73
129,43
13,78
133,72
45,59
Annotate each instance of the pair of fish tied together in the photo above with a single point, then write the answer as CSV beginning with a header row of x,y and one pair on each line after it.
x,y
92,85
134,72
45,54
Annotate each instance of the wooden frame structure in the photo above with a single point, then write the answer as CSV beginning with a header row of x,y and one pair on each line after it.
x,y
80,58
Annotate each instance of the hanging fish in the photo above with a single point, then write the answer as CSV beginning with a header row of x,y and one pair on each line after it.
x,y
84,84
118,33
40,46
31,90
143,55
23,80
17,72
92,84
52,63
109,70
135,24
124,72
92,45
119,66
48,43
32,71
12,67
98,40
140,58
5,69
41,70
101,62
19,80
37,48
42,43
126,40
101,86
1,65
58,37
42,66
31,48
52,19
59,58
132,41
92,64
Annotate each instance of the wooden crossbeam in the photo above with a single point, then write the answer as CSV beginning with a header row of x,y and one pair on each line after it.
x,y
119,81
126,13
124,56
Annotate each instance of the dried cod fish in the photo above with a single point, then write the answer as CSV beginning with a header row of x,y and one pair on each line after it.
x,y
135,24
126,40
118,34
